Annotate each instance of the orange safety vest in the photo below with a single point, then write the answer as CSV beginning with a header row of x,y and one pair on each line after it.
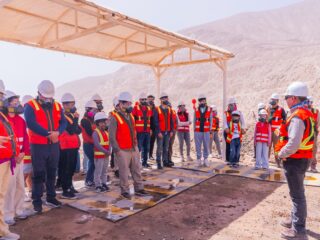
x,y
183,117
162,120
69,141
262,132
86,137
10,149
139,118
104,142
46,119
232,128
124,136
228,117
277,119
206,123
306,145
215,124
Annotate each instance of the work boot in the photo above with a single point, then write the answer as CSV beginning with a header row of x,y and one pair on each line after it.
x,y
206,162
171,164
141,192
159,166
292,234
53,203
287,223
68,195
37,209
126,195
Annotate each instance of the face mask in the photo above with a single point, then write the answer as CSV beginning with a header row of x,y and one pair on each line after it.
x,y
231,108
143,103
261,119
73,110
273,102
235,120
165,102
1,105
202,105
90,114
129,109
214,114
151,103
46,102
19,109
100,106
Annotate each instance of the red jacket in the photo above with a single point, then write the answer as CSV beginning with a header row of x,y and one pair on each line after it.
x,y
262,132
183,118
142,125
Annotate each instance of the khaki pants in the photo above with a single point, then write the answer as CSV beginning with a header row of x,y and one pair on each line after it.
x,y
314,152
274,141
5,175
14,198
129,162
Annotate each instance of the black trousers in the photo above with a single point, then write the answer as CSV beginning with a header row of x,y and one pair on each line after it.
x,y
67,167
153,139
227,148
45,159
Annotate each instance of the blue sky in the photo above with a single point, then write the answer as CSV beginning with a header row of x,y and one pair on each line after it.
x,y
22,68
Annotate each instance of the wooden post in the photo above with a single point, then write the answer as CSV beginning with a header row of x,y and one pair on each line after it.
x,y
224,104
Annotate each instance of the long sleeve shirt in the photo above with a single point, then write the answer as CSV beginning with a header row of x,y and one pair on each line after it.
x,y
96,142
73,128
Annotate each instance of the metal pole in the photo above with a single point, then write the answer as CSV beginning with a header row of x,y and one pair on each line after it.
x,y
224,104
158,81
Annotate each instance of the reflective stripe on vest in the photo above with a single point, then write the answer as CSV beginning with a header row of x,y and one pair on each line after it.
x,y
162,120
232,128
104,142
124,135
206,124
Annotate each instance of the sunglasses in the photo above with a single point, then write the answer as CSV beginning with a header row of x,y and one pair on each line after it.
x,y
287,97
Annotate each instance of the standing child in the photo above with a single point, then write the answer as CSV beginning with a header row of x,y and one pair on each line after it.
x,y
262,141
101,152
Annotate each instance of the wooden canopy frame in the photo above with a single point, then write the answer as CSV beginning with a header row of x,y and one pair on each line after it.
x,y
84,28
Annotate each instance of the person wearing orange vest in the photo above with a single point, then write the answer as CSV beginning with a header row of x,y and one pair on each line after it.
x,y
234,138
45,121
14,199
142,115
9,154
202,126
316,117
183,130
214,132
101,152
232,106
174,132
69,147
262,140
88,126
277,116
153,136
123,140
295,150
164,130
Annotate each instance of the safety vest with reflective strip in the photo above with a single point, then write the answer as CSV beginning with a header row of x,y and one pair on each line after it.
x,y
49,120
85,136
69,141
306,145
104,142
215,124
139,118
277,119
205,121
183,118
124,135
162,120
262,132
231,132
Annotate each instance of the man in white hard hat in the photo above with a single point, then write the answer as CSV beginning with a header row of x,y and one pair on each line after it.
x,y
98,100
214,133
164,129
142,115
9,151
14,199
183,130
69,145
295,150
153,136
202,123
277,116
316,116
232,106
87,126
123,140
46,121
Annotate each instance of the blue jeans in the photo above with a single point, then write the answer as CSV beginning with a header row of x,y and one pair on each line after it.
x,y
88,149
78,163
295,170
163,148
235,147
144,145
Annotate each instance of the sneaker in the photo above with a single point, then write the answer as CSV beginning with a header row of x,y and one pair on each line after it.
x,y
10,222
206,163
313,170
10,236
37,209
292,234
159,167
105,187
89,184
141,192
73,189
151,158
210,156
58,187
53,203
199,164
219,156
21,216
287,223
171,164
100,189
68,195
126,195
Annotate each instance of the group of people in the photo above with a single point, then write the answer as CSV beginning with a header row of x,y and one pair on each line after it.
x,y
40,149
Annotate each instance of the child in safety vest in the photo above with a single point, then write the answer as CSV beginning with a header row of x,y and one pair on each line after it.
x,y
262,141
101,152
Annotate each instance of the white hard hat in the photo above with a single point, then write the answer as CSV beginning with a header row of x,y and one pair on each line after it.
x,y
201,96
26,99
275,96
263,112
181,103
214,107
232,100
2,88
261,105
9,94
236,113
163,94
298,89
115,101
143,96
96,97
125,96
46,89
310,98
91,104
67,97
100,116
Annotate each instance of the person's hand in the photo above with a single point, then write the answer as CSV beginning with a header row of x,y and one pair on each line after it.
x,y
171,134
151,132
54,136
76,115
227,130
4,139
19,158
243,131
160,135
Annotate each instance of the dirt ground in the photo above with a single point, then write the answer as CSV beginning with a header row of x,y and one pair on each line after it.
x,y
223,207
